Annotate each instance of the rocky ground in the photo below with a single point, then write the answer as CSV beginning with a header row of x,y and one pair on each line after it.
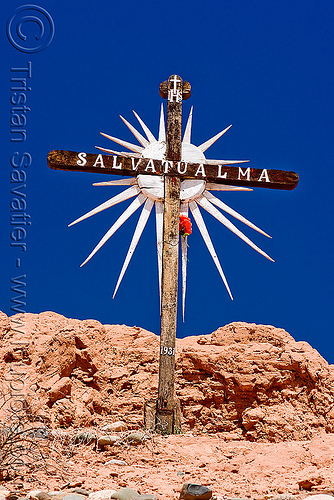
x,y
257,410
161,465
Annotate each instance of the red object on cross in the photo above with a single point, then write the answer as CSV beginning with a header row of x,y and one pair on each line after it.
x,y
184,226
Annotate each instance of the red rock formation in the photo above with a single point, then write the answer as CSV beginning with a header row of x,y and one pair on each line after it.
x,y
244,380
257,381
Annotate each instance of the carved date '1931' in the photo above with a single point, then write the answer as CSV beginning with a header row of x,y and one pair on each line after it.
x,y
170,351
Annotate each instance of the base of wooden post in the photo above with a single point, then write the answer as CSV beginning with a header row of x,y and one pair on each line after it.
x,y
162,420
149,414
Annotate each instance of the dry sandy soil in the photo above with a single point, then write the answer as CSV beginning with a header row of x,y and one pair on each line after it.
x,y
230,468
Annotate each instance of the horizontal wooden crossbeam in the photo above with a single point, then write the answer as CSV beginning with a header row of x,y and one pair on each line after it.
x,y
130,166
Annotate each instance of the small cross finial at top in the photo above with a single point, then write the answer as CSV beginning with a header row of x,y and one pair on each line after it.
x,y
175,88
175,79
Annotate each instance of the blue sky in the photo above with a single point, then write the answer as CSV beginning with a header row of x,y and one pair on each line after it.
x,y
267,68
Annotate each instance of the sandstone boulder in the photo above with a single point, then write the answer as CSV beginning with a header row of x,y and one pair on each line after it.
x,y
244,380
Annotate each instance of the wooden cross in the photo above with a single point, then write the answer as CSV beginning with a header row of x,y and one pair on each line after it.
x,y
173,170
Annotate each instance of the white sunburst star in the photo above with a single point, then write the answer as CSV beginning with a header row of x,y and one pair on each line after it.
x,y
148,190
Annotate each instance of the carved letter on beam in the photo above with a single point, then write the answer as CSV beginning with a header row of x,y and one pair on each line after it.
x,y
264,175
243,174
99,161
220,175
200,171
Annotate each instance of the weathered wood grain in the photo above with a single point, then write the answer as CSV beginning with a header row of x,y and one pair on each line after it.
x,y
170,255
219,174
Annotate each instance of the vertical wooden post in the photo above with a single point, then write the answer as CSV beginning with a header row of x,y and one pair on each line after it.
x,y
165,416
